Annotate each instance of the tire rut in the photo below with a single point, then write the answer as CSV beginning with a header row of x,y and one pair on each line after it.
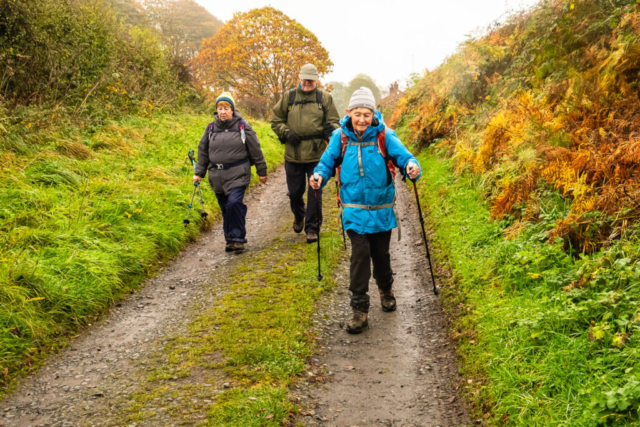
x,y
99,369
402,370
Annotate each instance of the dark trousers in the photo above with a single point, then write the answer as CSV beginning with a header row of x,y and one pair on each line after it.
x,y
234,214
298,175
364,249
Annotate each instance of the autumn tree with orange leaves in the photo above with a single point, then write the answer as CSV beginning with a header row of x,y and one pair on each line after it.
x,y
258,56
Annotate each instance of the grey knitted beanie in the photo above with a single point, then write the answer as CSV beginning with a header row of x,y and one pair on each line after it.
x,y
362,97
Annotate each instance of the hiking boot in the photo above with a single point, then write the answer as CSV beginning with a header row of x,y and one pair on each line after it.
x,y
238,246
312,237
298,226
387,300
229,247
358,322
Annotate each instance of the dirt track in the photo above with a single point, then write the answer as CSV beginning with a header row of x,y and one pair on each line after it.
x,y
400,372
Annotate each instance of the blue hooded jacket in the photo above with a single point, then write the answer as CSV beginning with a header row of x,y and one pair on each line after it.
x,y
365,183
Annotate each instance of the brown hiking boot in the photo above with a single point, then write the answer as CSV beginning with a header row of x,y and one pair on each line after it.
x,y
298,226
229,247
358,322
387,300
238,247
312,237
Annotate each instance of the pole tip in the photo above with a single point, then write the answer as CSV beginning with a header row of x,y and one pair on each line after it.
x,y
319,277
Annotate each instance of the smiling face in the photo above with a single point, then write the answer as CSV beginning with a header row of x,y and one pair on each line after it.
x,y
308,85
224,109
361,118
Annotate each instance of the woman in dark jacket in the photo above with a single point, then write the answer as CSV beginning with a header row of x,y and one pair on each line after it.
x,y
227,149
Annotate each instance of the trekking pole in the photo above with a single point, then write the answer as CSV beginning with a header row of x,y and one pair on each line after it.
x,y
424,235
196,186
316,177
344,238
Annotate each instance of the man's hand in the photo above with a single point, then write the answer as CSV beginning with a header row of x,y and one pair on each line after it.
x,y
413,170
315,184
327,130
293,138
196,179
263,179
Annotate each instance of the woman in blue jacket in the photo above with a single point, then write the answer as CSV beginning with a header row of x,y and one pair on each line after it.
x,y
367,195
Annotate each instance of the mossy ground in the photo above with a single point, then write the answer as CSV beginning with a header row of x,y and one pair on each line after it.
x,y
256,336
86,213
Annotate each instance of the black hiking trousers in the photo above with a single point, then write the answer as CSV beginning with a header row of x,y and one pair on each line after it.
x,y
364,249
298,175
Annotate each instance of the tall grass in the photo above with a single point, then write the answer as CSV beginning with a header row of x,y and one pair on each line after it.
x,y
85,215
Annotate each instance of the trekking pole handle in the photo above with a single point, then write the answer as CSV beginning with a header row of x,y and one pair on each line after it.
x,y
316,177
193,159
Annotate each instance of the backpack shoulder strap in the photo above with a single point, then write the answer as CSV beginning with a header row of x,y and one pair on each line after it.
x,y
344,142
241,125
382,143
382,148
319,99
292,98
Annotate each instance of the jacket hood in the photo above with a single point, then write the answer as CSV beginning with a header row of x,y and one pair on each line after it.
x,y
377,126
227,124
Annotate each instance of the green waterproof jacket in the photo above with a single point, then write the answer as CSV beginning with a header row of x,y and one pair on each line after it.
x,y
312,123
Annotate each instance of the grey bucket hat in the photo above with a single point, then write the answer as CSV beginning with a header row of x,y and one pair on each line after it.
x,y
308,72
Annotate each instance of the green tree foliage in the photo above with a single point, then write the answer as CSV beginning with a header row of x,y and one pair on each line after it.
x,y
342,92
77,53
184,24
131,12
339,94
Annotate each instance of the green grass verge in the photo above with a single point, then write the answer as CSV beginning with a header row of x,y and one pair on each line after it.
x,y
545,338
85,216
257,337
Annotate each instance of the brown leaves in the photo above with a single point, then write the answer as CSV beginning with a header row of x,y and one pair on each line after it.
x,y
259,55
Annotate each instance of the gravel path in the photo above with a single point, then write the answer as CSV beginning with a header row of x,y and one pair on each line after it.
x,y
400,372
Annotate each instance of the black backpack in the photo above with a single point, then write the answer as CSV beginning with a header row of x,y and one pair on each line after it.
x,y
293,102
241,124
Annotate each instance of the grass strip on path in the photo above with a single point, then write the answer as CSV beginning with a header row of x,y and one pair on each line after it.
x,y
545,338
256,337
85,216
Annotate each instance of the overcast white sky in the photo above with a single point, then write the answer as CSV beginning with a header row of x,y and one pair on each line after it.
x,y
387,40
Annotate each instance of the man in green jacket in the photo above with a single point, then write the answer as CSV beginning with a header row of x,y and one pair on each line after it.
x,y
304,119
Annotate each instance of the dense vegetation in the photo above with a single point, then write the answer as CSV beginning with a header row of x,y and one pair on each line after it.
x,y
534,125
82,58
96,119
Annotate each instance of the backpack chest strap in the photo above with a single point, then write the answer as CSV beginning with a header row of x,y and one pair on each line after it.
x,y
367,207
360,145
